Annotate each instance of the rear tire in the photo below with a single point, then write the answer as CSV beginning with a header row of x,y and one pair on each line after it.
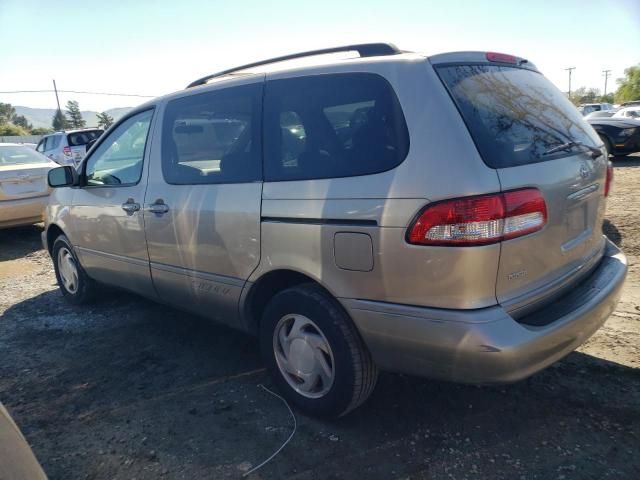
x,y
74,283
314,352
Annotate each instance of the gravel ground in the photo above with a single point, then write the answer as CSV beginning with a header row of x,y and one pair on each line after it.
x,y
128,389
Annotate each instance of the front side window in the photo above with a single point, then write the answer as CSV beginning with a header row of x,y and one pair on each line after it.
x,y
336,125
118,159
213,137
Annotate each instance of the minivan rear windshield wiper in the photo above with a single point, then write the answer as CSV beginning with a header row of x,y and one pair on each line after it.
x,y
595,151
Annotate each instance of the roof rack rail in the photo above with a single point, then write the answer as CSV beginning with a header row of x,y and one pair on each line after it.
x,y
364,49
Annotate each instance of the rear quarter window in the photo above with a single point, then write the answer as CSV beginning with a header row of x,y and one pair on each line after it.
x,y
332,125
52,142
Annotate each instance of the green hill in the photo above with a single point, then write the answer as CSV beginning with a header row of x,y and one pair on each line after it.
x,y
41,117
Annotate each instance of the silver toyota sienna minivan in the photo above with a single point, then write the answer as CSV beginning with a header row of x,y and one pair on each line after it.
x,y
437,216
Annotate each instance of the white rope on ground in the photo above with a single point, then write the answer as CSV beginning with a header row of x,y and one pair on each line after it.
x,y
295,427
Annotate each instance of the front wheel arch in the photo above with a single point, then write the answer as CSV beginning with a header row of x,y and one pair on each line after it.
x,y
53,232
608,145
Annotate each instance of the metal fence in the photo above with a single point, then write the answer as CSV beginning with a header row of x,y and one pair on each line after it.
x,y
21,139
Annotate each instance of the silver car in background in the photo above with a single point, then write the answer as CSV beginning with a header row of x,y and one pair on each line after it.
x,y
437,216
68,147
24,191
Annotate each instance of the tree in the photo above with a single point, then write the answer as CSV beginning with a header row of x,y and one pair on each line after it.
x,y
629,86
41,131
74,115
608,98
104,120
9,129
60,121
584,95
21,121
7,112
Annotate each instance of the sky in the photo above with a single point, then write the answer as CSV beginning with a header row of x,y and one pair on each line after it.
x,y
157,47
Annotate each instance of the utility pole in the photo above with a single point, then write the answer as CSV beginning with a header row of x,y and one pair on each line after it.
x,y
55,89
607,74
570,69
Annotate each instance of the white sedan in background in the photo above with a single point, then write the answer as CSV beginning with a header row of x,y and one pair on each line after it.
x,y
628,112
24,191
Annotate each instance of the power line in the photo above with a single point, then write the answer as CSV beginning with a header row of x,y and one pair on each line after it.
x,y
77,91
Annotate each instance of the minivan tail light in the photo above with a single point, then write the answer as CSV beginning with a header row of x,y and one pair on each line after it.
x,y
609,180
501,57
480,220
67,151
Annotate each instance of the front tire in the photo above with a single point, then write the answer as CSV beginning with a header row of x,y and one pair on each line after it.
x,y
314,352
607,145
75,285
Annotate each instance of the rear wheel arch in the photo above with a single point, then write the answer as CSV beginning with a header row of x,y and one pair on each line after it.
x,y
266,287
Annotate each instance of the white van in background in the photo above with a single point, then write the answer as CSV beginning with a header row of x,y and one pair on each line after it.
x,y
68,147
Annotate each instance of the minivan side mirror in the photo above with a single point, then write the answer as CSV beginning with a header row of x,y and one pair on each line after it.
x,y
66,176
90,144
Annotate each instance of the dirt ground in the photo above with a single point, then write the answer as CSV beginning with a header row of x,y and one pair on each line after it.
x,y
127,389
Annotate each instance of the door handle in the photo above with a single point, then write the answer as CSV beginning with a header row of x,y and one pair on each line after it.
x,y
130,206
158,207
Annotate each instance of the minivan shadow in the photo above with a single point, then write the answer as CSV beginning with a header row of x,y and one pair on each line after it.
x,y
612,232
125,348
18,242
626,161
127,368
578,385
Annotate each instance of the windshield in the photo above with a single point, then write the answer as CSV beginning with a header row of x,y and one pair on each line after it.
x,y
514,115
19,155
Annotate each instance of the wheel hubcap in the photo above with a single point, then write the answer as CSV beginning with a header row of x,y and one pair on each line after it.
x,y
67,270
303,356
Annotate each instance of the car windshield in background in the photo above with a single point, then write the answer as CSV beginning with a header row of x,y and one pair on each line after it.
x,y
515,115
79,139
19,155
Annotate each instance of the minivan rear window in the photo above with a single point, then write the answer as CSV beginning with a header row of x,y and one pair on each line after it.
x,y
79,139
514,115
332,125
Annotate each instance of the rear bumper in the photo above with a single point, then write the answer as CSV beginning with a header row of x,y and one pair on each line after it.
x,y
487,345
24,211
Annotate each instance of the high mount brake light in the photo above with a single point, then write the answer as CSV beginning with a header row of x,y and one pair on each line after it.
x,y
480,220
501,57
